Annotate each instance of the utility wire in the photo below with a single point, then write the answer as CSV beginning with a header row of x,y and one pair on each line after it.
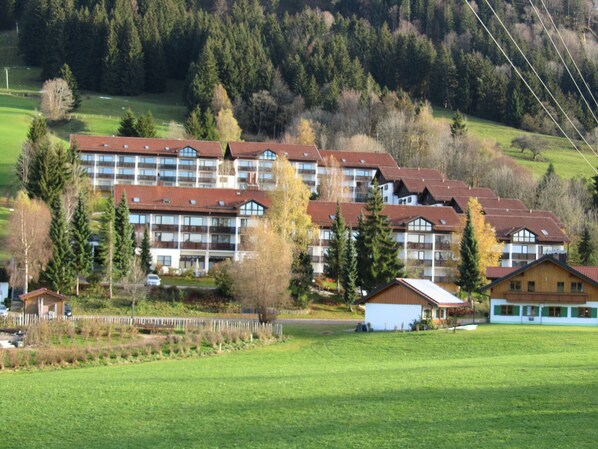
x,y
569,53
563,61
528,86
541,80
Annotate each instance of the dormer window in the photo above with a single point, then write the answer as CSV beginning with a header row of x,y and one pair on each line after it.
x,y
188,152
420,225
268,155
524,236
252,208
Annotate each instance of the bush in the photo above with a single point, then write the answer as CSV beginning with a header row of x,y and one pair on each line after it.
x,y
223,279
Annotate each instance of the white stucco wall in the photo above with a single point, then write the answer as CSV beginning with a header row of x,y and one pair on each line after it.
x,y
522,318
386,316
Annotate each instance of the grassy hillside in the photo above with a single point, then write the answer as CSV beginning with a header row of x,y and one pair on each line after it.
x,y
496,387
567,162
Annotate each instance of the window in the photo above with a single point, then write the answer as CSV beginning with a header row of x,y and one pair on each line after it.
x,y
584,312
87,157
186,174
515,286
556,312
576,287
220,238
524,236
222,222
164,236
188,152
531,310
419,225
164,219
325,235
106,170
508,310
252,208
531,286
165,261
203,164
147,160
560,287
191,238
126,159
167,161
246,164
187,162
167,174
143,172
137,219
126,171
268,155
195,221
103,158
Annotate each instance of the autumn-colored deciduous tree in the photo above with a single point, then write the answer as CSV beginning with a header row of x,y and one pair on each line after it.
x,y
220,99
57,99
489,248
227,128
28,239
331,186
305,133
261,280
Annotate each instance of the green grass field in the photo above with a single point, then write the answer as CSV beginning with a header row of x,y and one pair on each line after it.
x,y
497,387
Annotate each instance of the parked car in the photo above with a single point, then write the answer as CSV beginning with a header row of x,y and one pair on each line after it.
x,y
3,310
152,280
68,310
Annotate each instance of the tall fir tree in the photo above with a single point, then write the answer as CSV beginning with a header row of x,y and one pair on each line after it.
x,y
334,258
302,277
146,254
59,271
378,253
350,271
111,60
67,75
107,243
124,243
80,234
153,55
130,64
38,130
54,39
469,278
515,111
586,249
209,126
203,79
458,126
145,125
127,125
193,124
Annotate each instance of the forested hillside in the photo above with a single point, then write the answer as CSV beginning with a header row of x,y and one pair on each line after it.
x,y
265,56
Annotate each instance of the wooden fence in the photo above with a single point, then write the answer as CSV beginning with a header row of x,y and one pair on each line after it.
x,y
15,320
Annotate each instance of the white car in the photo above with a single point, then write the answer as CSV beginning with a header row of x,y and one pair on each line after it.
x,y
3,310
152,280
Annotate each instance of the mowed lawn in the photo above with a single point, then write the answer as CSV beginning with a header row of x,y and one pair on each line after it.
x,y
326,387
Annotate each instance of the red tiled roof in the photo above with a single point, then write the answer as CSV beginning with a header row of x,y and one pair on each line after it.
x,y
188,199
39,292
143,145
293,152
442,192
418,185
506,225
591,272
526,213
356,159
442,218
492,204
397,173
493,273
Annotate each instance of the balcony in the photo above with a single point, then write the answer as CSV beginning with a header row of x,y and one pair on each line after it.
x,y
186,179
222,246
317,259
207,168
105,164
194,245
546,297
222,230
523,256
306,171
199,229
168,166
204,180
417,245
165,227
119,176
442,246
145,165
169,245
167,178
442,262
126,164
105,175
145,178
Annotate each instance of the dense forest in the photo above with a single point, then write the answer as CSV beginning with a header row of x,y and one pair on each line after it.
x,y
266,55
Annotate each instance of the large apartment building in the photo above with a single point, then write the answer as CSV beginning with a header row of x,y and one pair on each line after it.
x,y
192,229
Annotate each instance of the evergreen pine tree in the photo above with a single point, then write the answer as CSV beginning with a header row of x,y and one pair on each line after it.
x,y
378,253
80,234
203,79
107,242
124,244
145,125
38,130
514,113
67,75
303,274
469,274
153,55
334,258
130,64
127,125
193,124
59,271
7,18
350,271
209,126
458,126
54,40
111,61
146,254
585,248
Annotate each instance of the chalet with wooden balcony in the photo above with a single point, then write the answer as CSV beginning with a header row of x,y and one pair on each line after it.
x,y
545,291
390,182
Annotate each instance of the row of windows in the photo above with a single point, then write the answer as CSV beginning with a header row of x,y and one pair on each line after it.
x,y
248,209
547,311
576,287
191,237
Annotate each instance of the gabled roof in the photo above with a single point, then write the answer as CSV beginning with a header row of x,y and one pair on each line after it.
x,y
548,258
427,290
498,272
489,204
39,292
443,193
442,218
416,186
360,159
526,213
393,174
188,199
293,152
143,145
545,229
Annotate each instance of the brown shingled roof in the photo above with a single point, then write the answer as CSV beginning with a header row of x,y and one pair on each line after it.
x,y
545,229
418,185
526,213
442,192
40,291
489,204
143,145
356,159
188,199
293,152
388,174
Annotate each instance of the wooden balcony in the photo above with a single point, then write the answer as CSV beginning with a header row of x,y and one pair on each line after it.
x,y
199,229
442,262
222,246
169,245
523,256
194,245
144,165
442,246
164,227
546,297
416,245
222,230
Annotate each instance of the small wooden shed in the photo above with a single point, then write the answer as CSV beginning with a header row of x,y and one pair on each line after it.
x,y
401,301
43,303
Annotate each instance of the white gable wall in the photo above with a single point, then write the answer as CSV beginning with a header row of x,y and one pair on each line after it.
x,y
386,316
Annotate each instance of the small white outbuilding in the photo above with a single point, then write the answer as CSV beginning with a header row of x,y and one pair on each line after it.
x,y
402,301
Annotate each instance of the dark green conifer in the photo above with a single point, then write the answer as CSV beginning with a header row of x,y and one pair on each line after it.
x,y
145,125
59,271
193,124
80,234
146,255
124,244
127,125
350,271
469,273
335,256
67,75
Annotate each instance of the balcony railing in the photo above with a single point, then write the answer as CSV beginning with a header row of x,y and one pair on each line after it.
x,y
417,245
186,179
208,168
442,246
126,164
105,164
145,165
222,230
165,227
105,175
120,176
442,262
146,178
205,180
317,259
222,246
168,166
200,229
546,297
194,245
523,256
169,245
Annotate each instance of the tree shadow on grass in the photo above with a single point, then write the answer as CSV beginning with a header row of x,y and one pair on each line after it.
x,y
72,126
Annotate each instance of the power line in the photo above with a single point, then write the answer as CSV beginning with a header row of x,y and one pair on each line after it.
x,y
541,80
563,61
528,86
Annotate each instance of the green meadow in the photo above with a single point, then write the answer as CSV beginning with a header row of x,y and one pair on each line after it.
x,y
326,387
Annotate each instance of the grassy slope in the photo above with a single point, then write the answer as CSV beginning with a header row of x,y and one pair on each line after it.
x,y
567,162
496,387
